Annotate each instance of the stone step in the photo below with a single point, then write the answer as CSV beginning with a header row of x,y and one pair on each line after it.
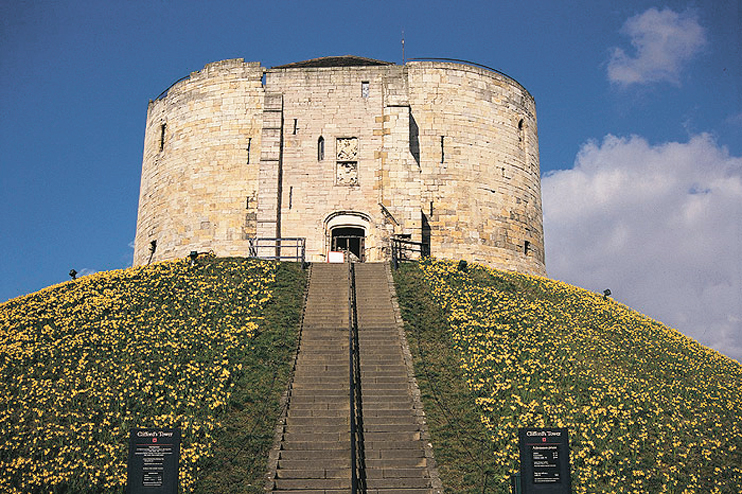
x,y
318,445
370,437
321,473
378,490
322,379
401,400
379,463
306,455
397,483
396,473
390,427
306,484
378,424
318,392
319,437
321,416
382,370
312,428
383,387
319,422
370,443
294,405
336,491
319,464
315,451
383,414
386,454
324,368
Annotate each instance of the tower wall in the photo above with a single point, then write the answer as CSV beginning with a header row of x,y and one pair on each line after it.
x,y
480,165
444,153
199,186
348,109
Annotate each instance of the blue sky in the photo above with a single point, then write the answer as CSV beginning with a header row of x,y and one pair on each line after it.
x,y
639,110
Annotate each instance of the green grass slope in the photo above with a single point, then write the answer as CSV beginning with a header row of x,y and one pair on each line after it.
x,y
648,409
206,348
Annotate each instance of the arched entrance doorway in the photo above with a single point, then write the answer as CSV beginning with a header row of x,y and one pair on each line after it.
x,y
347,232
351,240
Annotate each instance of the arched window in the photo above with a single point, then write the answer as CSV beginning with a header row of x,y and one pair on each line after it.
x,y
320,148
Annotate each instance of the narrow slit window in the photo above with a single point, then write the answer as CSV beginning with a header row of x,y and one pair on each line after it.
x,y
162,136
291,196
320,148
526,247
520,130
296,126
365,89
249,145
443,150
247,202
431,209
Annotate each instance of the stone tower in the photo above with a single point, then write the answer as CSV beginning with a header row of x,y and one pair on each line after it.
x,y
347,153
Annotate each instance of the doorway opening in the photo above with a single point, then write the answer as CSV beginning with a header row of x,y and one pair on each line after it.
x,y
351,240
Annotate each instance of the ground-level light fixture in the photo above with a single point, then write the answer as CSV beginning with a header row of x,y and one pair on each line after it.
x,y
193,256
606,293
73,274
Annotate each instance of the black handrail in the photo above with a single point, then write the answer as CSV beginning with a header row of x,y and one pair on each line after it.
x,y
280,249
357,457
407,250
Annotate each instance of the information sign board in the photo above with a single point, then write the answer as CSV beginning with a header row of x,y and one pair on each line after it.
x,y
544,460
153,461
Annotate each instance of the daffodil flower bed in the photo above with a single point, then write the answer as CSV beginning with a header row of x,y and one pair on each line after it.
x,y
648,409
149,346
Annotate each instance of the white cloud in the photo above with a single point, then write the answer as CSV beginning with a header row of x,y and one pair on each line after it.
x,y
664,41
86,272
661,226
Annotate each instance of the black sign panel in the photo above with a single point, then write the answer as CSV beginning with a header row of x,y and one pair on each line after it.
x,y
544,461
153,461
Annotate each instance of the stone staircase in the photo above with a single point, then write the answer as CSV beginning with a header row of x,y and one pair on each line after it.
x,y
314,451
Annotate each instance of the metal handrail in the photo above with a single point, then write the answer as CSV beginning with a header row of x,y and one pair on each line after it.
x,y
407,250
357,457
283,248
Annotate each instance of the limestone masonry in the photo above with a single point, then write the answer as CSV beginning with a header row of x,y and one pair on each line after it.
x,y
347,153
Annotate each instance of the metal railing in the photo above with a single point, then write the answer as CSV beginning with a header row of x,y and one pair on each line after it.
x,y
406,250
279,249
357,456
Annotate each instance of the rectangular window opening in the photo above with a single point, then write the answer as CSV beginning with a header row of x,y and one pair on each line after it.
x,y
365,89
526,247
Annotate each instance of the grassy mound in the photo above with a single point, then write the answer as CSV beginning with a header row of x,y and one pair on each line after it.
x,y
206,348
648,409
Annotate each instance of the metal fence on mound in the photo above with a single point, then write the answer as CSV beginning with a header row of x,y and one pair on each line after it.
x,y
279,249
